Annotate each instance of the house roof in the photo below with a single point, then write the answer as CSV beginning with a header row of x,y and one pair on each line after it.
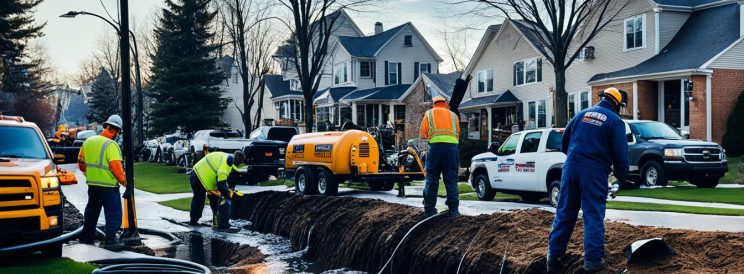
x,y
76,110
444,82
705,34
368,46
490,32
501,98
529,32
684,3
278,87
380,93
335,93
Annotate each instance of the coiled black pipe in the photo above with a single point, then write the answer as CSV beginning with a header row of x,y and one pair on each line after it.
x,y
390,260
59,239
149,265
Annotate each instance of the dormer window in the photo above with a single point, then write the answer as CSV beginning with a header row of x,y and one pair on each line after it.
x,y
407,41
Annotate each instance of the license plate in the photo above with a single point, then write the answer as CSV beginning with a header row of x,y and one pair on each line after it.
x,y
268,154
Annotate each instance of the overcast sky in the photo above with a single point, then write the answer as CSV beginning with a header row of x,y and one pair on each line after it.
x,y
69,41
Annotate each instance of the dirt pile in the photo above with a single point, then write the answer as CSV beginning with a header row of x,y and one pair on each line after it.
x,y
362,233
215,252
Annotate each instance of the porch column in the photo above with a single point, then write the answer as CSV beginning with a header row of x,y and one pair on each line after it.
x,y
635,100
391,117
708,109
354,113
490,126
379,113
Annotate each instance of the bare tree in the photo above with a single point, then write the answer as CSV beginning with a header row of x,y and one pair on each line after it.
x,y
311,25
563,28
456,47
253,40
107,57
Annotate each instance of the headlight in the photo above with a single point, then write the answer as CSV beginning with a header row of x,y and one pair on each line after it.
x,y
49,182
673,153
281,150
723,155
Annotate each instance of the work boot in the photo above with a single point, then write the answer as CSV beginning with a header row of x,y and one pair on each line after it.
x,y
594,267
453,214
112,246
229,229
553,265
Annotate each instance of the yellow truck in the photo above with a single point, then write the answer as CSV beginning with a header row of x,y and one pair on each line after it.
x,y
320,161
31,201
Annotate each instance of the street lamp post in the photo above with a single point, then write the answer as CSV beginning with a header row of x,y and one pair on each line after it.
x,y
137,79
130,236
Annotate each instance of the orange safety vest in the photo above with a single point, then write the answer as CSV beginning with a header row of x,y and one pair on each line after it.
x,y
442,126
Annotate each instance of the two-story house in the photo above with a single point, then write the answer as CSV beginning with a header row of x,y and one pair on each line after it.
x,y
375,71
653,50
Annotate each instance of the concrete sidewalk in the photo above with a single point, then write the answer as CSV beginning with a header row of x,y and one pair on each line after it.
x,y
673,202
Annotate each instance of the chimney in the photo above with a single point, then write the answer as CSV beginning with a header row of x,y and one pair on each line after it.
x,y
378,28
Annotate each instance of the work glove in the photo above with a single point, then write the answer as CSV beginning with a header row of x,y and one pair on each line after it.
x,y
127,194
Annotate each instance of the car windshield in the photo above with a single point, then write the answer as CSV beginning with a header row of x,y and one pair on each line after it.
x,y
172,139
256,134
225,134
281,134
85,134
655,130
21,142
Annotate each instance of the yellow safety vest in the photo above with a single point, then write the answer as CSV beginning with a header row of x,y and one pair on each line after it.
x,y
98,152
212,169
442,135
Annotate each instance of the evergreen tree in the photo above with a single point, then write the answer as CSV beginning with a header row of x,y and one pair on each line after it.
x,y
732,139
103,102
185,76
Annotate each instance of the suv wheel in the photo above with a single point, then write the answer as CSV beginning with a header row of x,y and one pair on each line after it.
x,y
304,181
706,183
483,188
554,192
652,174
326,183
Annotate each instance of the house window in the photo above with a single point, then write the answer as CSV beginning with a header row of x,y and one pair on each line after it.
x,y
634,32
393,73
474,125
485,80
407,41
571,105
365,69
370,115
527,71
581,104
584,100
425,68
400,112
537,114
341,73
294,84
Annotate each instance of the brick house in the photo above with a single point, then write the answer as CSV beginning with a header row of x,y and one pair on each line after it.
x,y
653,50
418,99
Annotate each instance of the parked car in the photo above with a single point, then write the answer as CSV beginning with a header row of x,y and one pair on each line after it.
x,y
265,153
209,140
166,147
662,154
528,164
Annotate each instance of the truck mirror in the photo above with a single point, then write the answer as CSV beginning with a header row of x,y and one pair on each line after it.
x,y
494,147
59,159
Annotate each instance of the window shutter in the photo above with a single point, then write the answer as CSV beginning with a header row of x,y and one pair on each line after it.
x,y
539,69
373,71
400,73
416,70
387,81
514,75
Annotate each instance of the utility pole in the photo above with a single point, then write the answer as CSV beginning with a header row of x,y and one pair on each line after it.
x,y
130,236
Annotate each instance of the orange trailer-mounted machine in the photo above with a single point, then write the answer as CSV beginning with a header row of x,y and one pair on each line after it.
x,y
322,160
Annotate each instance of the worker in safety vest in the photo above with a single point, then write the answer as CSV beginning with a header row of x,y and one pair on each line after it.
x,y
593,141
209,176
100,160
442,128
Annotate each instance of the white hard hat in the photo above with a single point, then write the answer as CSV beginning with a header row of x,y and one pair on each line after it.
x,y
114,121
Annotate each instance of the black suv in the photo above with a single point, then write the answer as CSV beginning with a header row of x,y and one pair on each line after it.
x,y
264,153
658,153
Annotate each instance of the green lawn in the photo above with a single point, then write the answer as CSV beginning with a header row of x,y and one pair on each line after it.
x,y
50,266
691,194
500,197
288,183
674,208
157,178
183,204
733,176
462,188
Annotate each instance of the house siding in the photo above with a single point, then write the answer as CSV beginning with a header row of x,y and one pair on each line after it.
x,y
669,24
395,51
732,59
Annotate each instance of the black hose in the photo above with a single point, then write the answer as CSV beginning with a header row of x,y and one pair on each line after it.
x,y
59,239
390,260
148,265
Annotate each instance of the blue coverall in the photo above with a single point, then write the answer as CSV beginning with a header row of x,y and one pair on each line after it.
x,y
594,140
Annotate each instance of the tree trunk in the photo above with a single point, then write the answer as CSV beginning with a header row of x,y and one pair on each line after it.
x,y
260,102
561,106
309,119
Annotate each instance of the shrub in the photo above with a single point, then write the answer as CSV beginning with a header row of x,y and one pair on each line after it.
x,y
470,148
733,138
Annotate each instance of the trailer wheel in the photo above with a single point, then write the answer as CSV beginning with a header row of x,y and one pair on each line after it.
x,y
305,181
326,183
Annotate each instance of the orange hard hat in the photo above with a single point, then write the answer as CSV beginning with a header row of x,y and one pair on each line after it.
x,y
439,98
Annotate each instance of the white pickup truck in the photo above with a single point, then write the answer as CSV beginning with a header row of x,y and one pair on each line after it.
x,y
211,140
528,164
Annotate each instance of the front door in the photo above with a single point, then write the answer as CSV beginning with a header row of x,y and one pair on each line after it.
x,y
675,104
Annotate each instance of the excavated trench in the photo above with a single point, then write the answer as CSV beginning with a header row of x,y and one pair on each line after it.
x,y
343,232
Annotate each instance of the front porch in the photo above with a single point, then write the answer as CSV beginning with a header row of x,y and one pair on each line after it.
x,y
492,118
